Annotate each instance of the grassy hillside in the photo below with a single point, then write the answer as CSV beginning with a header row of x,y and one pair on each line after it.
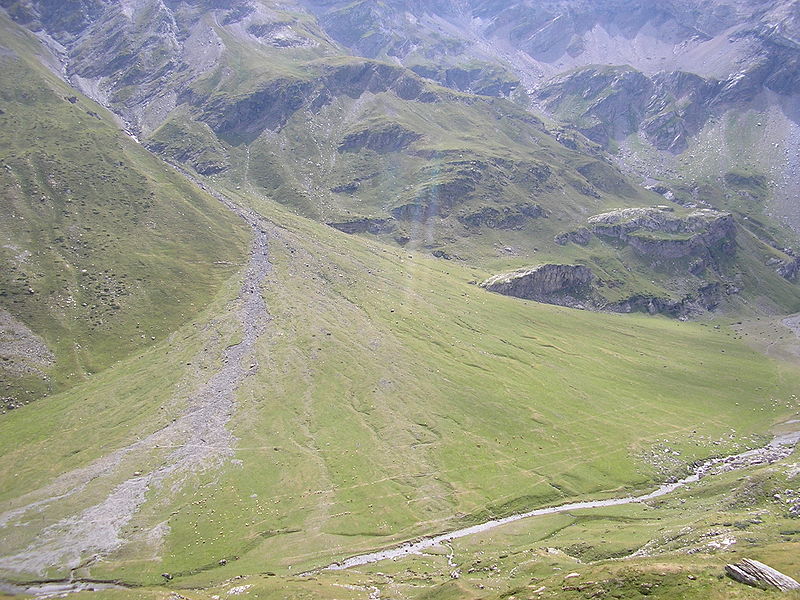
x,y
624,552
373,149
392,399
264,98
104,248
191,445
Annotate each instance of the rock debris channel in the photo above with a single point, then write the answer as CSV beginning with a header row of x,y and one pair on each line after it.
x,y
199,437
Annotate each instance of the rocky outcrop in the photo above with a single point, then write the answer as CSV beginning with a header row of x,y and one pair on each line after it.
x,y
389,137
659,233
581,236
365,225
358,77
790,269
421,209
274,102
706,298
502,217
476,191
484,78
576,286
180,144
446,188
757,574
268,107
564,285
202,160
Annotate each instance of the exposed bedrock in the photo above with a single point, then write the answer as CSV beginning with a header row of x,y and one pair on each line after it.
x,y
660,233
545,283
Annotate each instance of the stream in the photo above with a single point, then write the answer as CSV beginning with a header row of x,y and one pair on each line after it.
x,y
780,447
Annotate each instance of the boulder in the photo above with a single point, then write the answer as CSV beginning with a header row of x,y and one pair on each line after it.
x,y
757,574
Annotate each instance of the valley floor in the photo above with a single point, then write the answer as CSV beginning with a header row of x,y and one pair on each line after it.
x,y
667,543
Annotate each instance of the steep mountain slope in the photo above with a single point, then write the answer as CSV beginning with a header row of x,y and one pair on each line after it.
x,y
257,94
647,80
104,248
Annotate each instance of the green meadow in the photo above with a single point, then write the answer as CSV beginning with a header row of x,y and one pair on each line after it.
x,y
389,397
396,399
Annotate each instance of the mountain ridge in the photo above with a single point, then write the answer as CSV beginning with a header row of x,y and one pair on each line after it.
x,y
223,111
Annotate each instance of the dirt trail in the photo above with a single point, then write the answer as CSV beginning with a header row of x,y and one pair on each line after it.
x,y
781,447
199,437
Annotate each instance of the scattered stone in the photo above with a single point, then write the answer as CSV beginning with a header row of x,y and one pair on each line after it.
x,y
238,590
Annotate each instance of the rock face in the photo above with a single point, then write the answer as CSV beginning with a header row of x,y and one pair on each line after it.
x,y
707,298
757,574
602,115
581,236
365,225
658,233
669,108
553,284
502,217
391,137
